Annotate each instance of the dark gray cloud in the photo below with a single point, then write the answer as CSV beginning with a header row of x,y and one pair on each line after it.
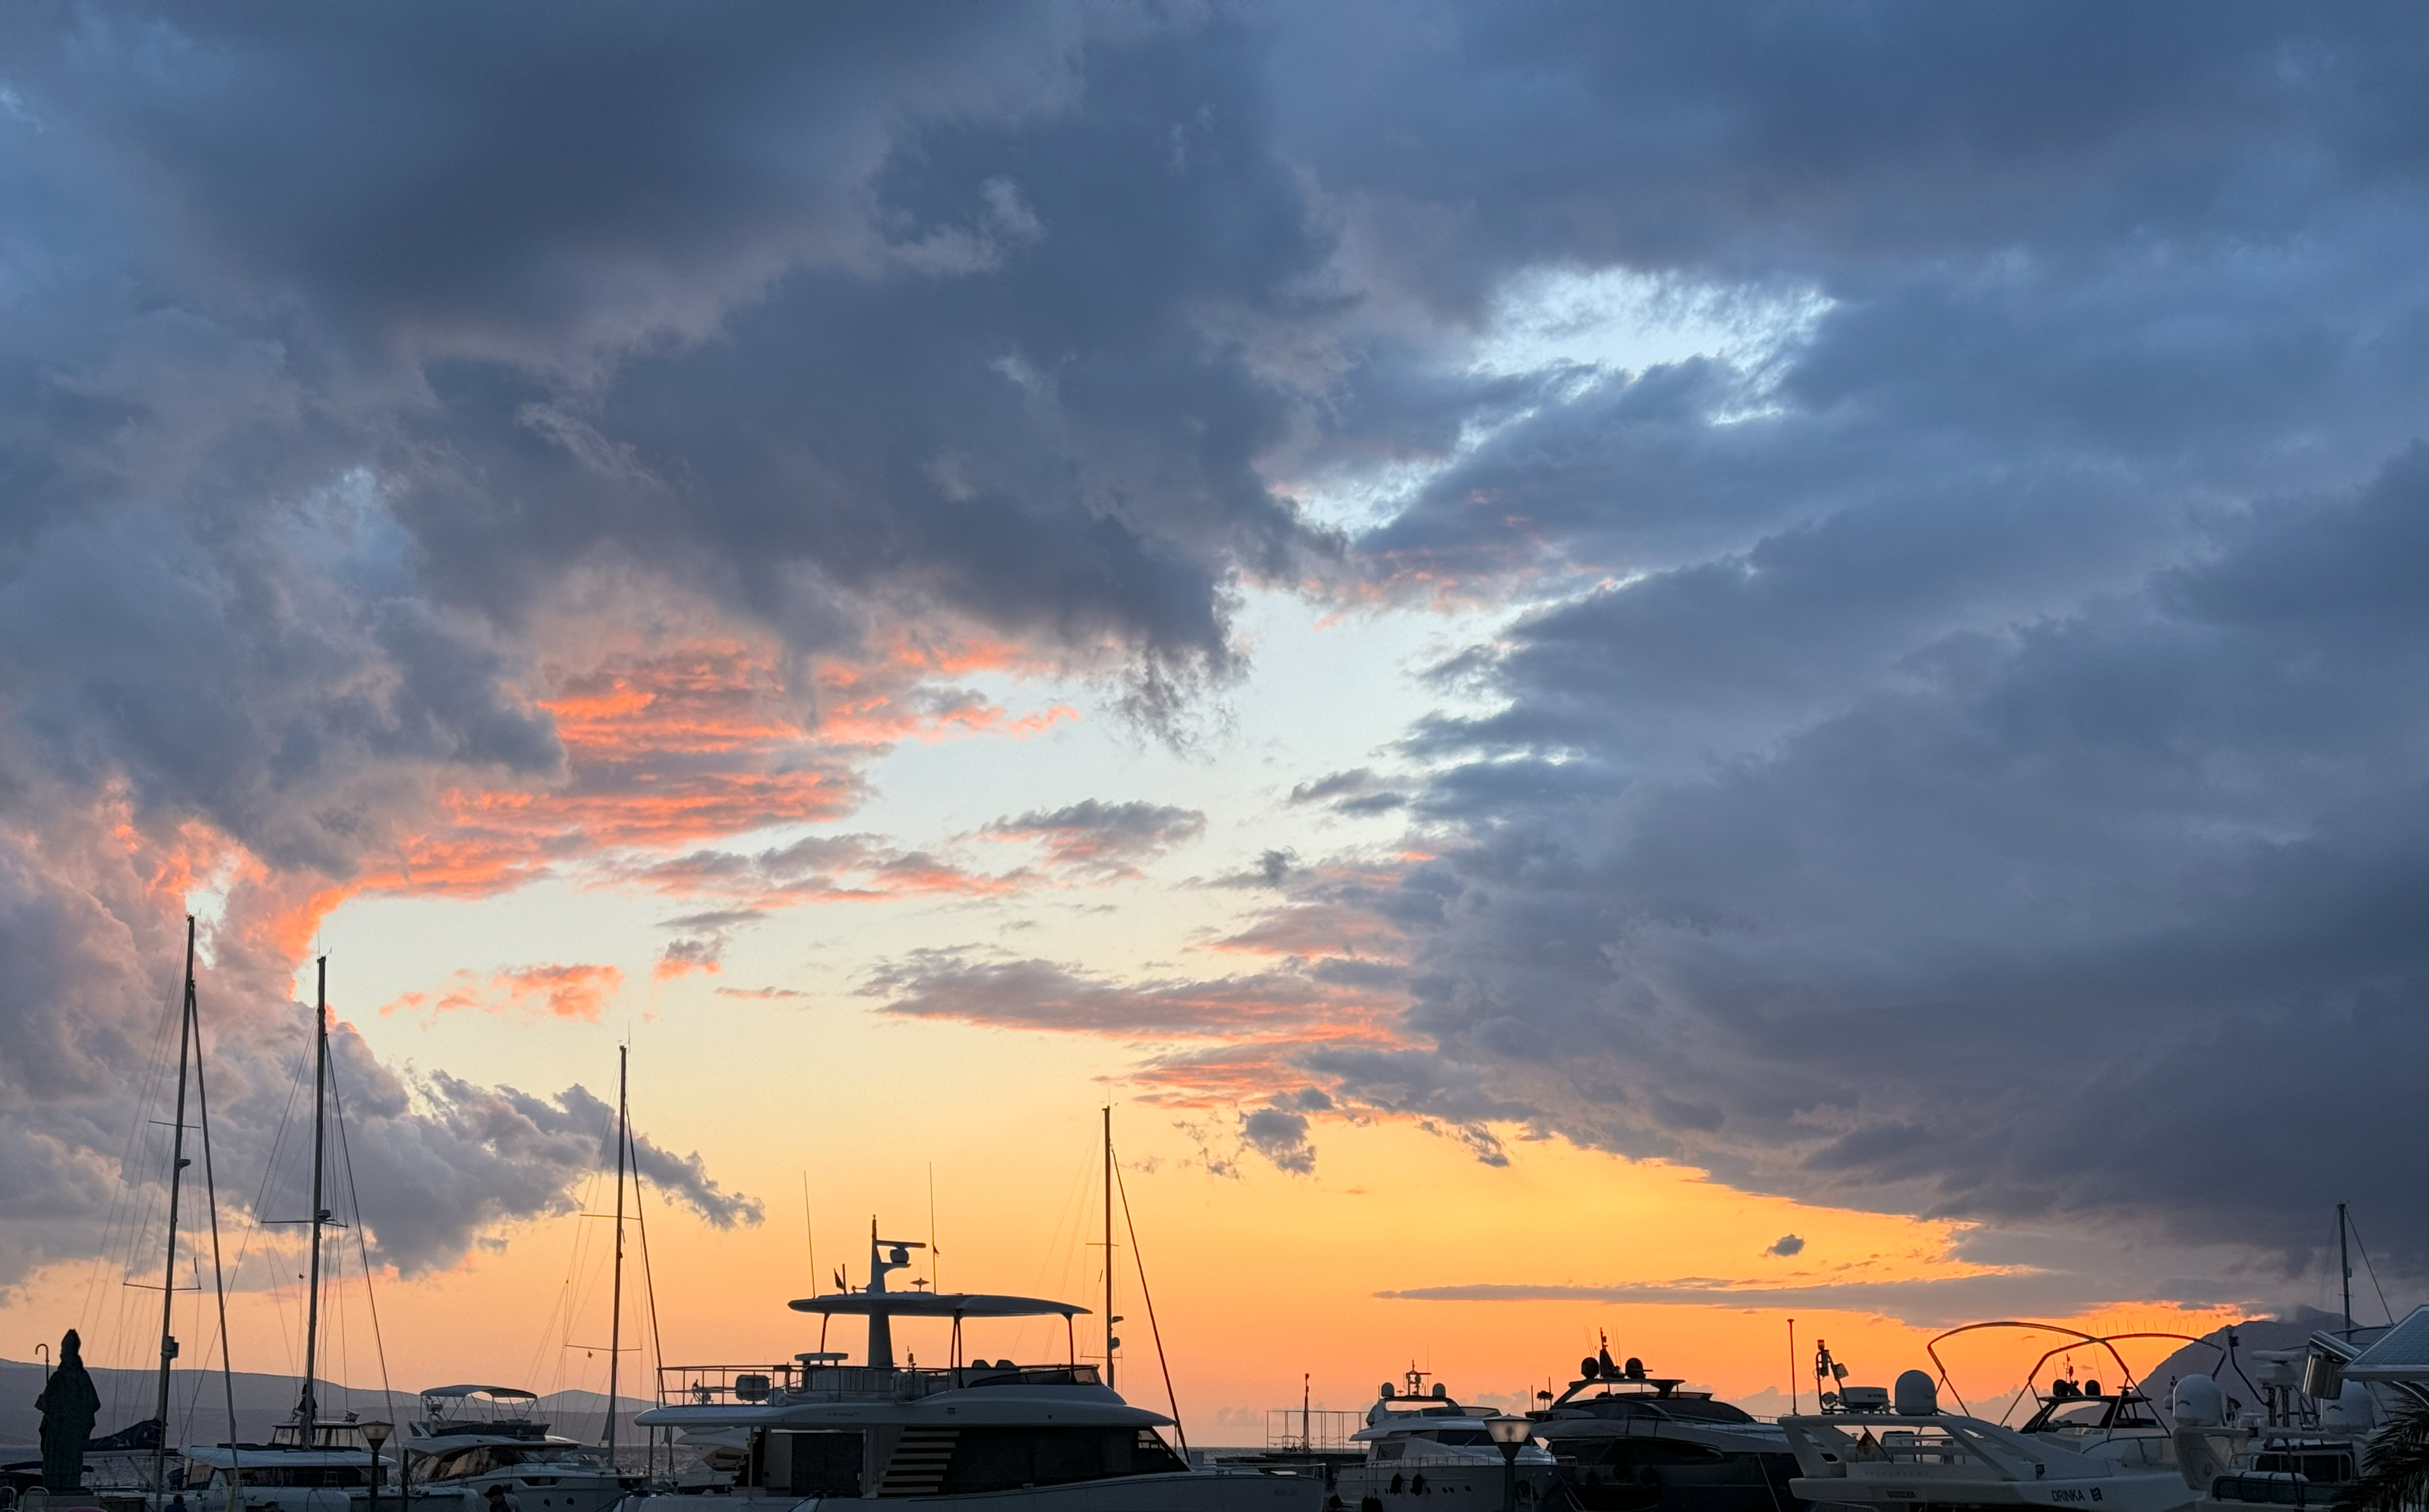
x,y
1357,792
1105,840
1933,1303
1986,940
1042,994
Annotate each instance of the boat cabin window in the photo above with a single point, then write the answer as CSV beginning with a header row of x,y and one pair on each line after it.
x,y
1702,1410
1469,1437
1006,1459
482,1458
1631,1453
2312,1466
304,1475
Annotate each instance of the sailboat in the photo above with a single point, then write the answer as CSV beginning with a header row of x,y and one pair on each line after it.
x,y
472,1437
313,1463
135,1462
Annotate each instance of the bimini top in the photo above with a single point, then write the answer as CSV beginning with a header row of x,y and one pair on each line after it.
x,y
2400,1354
515,1393
931,1305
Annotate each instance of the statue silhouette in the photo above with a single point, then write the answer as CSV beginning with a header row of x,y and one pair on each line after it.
x,y
68,1404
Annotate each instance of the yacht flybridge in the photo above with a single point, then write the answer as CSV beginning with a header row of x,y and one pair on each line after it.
x,y
1626,1440
998,1433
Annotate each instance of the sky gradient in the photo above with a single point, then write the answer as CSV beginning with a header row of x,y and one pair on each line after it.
x,y
1635,668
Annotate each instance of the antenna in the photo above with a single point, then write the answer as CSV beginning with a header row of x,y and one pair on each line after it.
x,y
2344,1264
935,1277
1791,1368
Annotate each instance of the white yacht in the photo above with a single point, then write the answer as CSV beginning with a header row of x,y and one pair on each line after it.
x,y
472,1437
328,1471
972,1432
1426,1451
1627,1441
2083,1448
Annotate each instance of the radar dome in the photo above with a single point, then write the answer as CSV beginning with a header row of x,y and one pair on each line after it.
x,y
2199,1402
1914,1396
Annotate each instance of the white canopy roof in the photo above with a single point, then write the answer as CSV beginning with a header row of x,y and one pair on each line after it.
x,y
2400,1354
514,1392
933,1304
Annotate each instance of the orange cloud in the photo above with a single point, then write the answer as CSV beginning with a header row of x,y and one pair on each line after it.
x,y
569,992
695,741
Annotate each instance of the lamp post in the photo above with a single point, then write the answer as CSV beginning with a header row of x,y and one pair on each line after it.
x,y
376,1432
1510,1434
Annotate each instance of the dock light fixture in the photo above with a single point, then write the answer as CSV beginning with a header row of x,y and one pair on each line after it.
x,y
1510,1434
375,1432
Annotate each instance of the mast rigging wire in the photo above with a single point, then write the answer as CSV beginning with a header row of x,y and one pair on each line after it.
x,y
362,1247
219,1275
1149,1297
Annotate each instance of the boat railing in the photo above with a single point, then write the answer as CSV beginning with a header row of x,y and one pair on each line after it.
x,y
1311,1431
701,1386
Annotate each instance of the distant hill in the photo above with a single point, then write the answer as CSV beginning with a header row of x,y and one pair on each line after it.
x,y
2259,1333
198,1411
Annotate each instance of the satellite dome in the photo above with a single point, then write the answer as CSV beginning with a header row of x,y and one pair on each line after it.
x,y
2199,1402
1914,1396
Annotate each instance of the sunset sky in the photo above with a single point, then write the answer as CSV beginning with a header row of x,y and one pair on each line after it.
x,y
1634,669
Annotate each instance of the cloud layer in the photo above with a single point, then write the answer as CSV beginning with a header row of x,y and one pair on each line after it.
x,y
1961,471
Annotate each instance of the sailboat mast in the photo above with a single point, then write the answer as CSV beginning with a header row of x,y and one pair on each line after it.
x,y
1110,1319
176,1170
616,1305
309,1410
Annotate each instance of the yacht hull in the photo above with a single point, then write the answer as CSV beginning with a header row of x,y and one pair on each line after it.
x,y
1193,1492
2103,1493
1435,1486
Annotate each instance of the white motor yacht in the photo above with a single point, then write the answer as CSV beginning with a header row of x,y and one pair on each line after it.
x,y
325,1468
472,1437
975,1432
1426,1451
1627,1441
2081,1449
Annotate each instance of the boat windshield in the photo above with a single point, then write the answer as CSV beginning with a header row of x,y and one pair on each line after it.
x,y
2090,1414
482,1458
